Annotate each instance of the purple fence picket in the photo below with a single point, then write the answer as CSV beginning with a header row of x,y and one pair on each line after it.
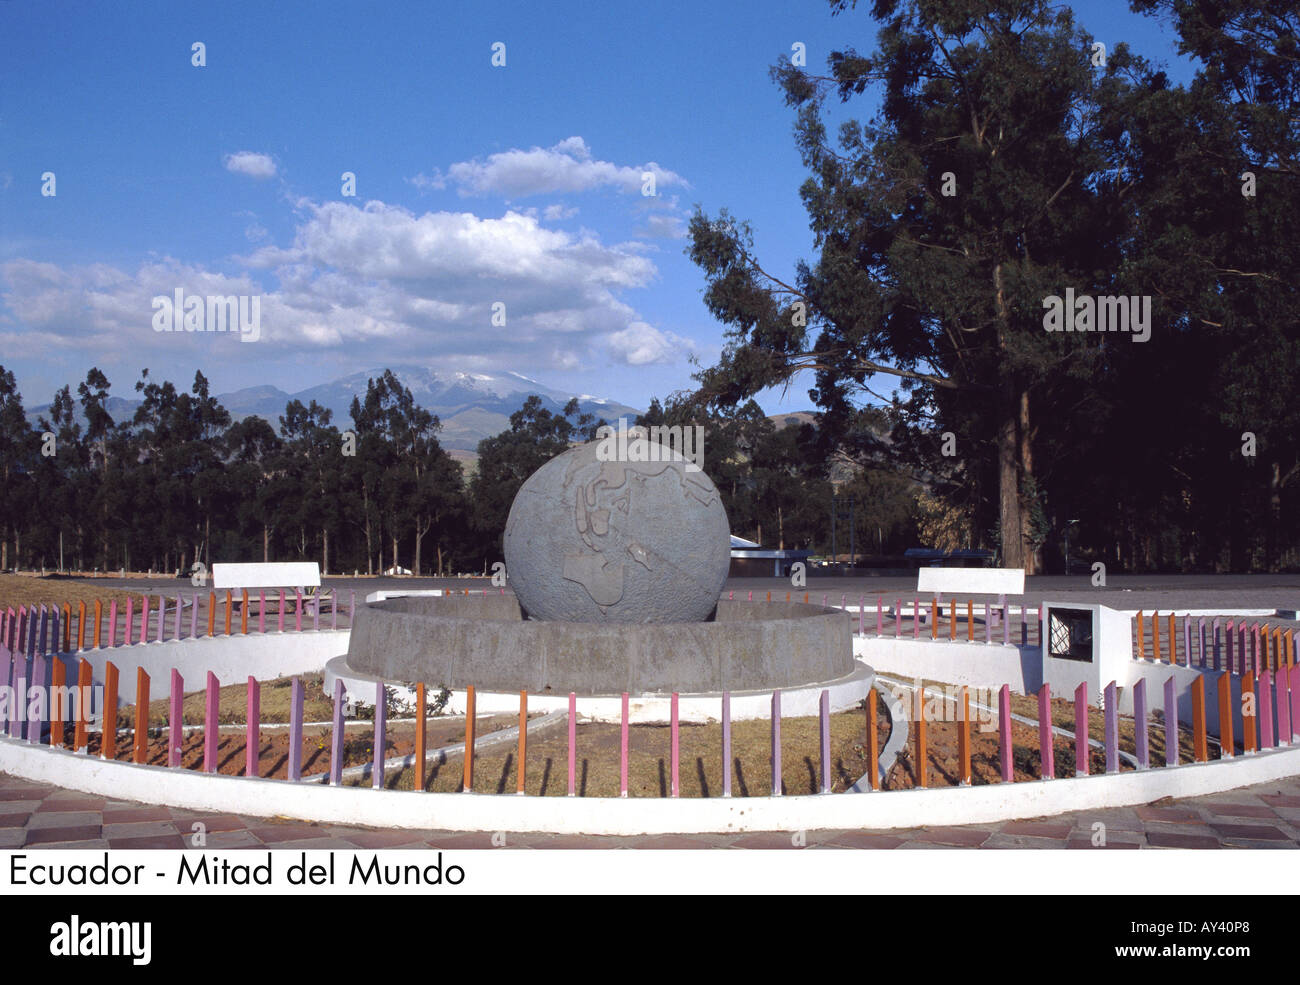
x,y
1293,685
1216,643
1171,723
1140,723
210,725
1046,748
55,618
675,752
1200,625
175,733
336,738
1024,627
776,744
252,737
6,668
1004,732
726,743
1081,752
381,736
295,729
35,722
17,682
44,638
1228,639
573,743
297,611
824,716
622,747
1111,737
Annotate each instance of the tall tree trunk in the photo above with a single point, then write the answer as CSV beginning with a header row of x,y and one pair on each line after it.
x,y
439,560
266,544
325,551
1009,521
1032,551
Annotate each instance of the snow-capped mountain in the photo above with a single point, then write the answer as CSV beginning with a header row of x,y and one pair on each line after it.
x,y
471,406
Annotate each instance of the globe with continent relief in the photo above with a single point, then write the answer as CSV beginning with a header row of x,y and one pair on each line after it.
x,y
642,538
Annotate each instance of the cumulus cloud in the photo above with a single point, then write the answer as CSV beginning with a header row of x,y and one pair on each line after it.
x,y
640,344
375,278
247,162
566,167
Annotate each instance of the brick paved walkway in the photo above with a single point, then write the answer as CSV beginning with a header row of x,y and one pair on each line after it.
x,y
1263,816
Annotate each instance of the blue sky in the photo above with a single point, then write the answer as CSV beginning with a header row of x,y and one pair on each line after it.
x,y
475,184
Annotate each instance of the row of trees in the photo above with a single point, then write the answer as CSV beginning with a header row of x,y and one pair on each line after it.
x,y
180,482
1015,157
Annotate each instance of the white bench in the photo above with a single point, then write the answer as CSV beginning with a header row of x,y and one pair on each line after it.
x,y
972,581
301,575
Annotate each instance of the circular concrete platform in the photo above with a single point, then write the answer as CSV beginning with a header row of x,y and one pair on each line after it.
x,y
483,641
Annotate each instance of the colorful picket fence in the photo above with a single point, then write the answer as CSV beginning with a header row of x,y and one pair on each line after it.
x,y
47,630
1219,643
1272,721
952,620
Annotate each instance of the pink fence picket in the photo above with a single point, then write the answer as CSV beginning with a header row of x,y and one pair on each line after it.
x,y
1266,709
210,725
1046,748
1081,750
1004,732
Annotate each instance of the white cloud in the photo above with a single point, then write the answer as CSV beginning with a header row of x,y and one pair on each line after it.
x,y
249,163
375,278
565,167
640,344
554,212
663,226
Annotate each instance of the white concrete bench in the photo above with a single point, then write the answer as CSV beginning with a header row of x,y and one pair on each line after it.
x,y
972,581
304,576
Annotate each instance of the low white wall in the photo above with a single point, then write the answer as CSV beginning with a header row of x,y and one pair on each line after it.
x,y
845,693
638,815
232,658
